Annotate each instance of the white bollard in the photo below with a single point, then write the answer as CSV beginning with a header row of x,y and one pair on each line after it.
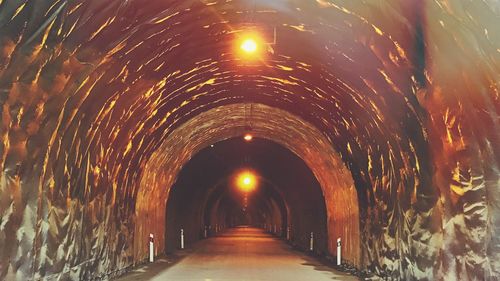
x,y
275,229
151,248
288,233
311,242
182,238
339,251
206,232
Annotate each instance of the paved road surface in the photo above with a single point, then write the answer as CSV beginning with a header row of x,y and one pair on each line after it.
x,y
240,254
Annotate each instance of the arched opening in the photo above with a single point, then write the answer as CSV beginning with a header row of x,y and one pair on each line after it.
x,y
288,197
230,121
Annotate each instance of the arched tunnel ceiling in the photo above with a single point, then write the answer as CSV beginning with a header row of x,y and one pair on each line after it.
x,y
406,92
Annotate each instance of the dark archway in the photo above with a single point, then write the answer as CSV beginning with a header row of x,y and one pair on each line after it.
x,y
288,195
267,206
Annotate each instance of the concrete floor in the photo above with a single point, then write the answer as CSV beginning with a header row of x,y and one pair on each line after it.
x,y
239,254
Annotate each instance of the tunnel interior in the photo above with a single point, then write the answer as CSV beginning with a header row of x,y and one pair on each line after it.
x,y
205,195
392,105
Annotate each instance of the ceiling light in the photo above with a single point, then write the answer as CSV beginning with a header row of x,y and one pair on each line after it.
x,y
248,137
246,181
249,46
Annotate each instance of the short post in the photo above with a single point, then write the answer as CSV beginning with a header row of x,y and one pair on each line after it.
x,y
339,251
205,234
288,233
182,238
151,248
275,229
311,242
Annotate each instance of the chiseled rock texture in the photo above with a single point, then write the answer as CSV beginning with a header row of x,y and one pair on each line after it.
x,y
406,93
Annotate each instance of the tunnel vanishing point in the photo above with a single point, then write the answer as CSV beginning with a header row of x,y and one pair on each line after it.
x,y
376,122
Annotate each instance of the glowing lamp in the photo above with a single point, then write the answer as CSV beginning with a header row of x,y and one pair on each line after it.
x,y
248,137
246,181
249,46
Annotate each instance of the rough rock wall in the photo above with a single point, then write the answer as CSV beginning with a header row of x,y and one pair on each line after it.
x,y
407,91
462,99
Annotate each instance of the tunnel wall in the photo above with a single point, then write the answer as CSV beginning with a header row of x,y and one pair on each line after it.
x,y
80,105
275,220
185,206
217,216
462,99
210,209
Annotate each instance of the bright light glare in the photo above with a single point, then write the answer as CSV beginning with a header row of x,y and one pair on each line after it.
x,y
249,45
246,181
248,137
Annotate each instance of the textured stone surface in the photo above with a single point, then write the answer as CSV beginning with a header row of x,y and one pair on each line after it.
x,y
406,92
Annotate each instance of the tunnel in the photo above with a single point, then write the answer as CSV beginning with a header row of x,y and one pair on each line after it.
x,y
374,123
205,195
